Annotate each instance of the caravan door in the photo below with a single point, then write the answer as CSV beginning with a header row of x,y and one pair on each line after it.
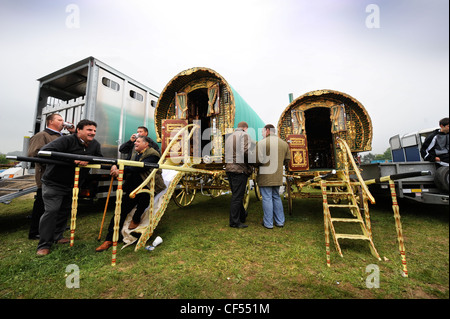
x,y
298,143
169,129
298,147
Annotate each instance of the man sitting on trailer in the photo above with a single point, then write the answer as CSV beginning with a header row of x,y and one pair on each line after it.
x,y
133,177
128,147
58,182
436,146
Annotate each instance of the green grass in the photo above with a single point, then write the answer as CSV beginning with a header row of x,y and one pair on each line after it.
x,y
202,258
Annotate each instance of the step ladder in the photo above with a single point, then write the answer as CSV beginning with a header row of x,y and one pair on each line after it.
x,y
349,200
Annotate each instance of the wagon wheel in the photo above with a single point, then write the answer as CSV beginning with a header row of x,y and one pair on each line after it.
x,y
357,190
246,199
219,184
185,192
257,190
336,189
288,192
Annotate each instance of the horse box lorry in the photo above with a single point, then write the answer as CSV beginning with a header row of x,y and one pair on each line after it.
x,y
91,89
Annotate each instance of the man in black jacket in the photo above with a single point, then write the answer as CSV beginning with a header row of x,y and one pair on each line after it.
x,y
128,147
436,146
58,181
133,177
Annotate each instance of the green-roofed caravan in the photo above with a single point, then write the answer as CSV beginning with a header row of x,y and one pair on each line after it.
x,y
197,83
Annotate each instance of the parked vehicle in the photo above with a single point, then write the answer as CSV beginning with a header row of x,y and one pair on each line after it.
x,y
91,89
429,189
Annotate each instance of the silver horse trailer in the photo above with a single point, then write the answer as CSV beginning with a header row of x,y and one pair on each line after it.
x,y
90,89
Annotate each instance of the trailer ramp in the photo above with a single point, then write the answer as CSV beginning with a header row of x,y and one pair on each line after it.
x,y
11,188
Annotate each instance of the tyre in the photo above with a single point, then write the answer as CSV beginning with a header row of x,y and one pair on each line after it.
x,y
441,178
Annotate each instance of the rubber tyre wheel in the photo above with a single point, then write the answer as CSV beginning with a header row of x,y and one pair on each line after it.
x,y
441,178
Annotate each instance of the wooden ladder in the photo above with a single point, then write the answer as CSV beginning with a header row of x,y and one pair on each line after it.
x,y
346,187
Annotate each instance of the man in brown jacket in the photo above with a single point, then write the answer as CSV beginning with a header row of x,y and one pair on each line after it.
x,y
54,124
237,150
272,154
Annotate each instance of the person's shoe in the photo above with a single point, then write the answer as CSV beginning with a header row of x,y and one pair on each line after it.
x,y
239,226
245,217
33,237
132,225
63,241
104,246
266,226
43,252
281,226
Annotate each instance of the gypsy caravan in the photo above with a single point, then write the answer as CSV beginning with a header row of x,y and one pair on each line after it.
x,y
201,97
325,130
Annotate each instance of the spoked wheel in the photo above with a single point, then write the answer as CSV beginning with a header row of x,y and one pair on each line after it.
x,y
257,191
246,200
217,186
184,194
336,199
288,191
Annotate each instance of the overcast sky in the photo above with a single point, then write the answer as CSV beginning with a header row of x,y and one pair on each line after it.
x,y
391,55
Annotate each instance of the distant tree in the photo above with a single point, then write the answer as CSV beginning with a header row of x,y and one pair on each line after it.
x,y
3,159
367,158
388,154
385,156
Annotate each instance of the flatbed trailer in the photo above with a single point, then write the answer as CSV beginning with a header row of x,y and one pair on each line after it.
x,y
405,151
11,188
420,188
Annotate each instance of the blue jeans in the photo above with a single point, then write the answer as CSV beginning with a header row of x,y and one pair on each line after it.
x,y
272,206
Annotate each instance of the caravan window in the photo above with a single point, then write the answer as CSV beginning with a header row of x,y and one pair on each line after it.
x,y
111,84
135,95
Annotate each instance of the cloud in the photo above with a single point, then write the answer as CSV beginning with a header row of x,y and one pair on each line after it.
x,y
265,49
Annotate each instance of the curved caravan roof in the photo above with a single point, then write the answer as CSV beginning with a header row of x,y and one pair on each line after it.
x,y
358,132
233,108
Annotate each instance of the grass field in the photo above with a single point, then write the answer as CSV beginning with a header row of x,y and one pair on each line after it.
x,y
202,258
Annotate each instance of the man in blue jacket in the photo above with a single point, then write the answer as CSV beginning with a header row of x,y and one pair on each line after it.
x,y
58,181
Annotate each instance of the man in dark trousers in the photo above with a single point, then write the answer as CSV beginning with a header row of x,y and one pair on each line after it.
x,y
238,170
54,126
133,177
58,181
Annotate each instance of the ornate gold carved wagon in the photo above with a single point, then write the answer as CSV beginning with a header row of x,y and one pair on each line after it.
x,y
325,130
203,99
